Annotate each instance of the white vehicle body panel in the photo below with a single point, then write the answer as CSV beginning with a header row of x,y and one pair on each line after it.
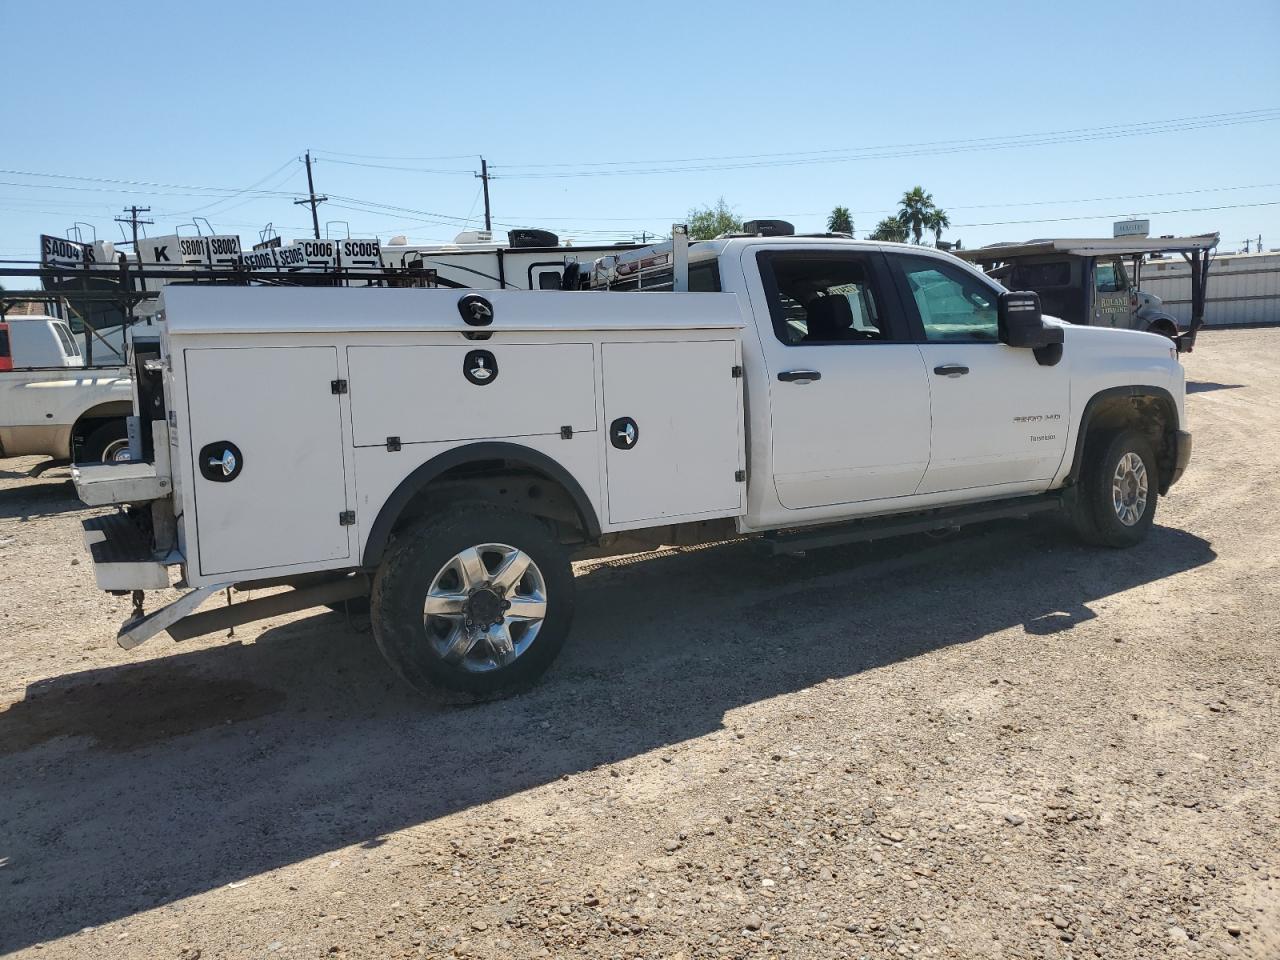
x,y
337,398
255,366
42,342
39,408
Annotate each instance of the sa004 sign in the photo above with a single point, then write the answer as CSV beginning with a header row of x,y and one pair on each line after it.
x,y
56,252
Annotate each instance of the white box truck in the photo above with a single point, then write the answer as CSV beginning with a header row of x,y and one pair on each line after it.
x,y
449,453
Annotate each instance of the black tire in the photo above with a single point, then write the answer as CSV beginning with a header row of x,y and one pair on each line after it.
x,y
102,442
419,554
1096,516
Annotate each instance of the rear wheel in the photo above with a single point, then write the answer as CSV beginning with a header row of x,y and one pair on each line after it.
x,y
107,443
1116,493
476,603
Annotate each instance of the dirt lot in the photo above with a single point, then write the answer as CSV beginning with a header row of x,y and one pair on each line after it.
x,y
997,745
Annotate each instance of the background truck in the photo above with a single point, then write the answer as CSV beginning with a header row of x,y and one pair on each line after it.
x,y
450,452
1085,281
50,403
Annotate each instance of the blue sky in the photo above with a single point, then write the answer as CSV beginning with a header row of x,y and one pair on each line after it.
x,y
198,96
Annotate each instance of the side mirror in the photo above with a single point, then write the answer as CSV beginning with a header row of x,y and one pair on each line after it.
x,y
1021,325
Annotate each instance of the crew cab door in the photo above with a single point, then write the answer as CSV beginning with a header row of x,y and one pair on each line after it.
x,y
848,395
999,418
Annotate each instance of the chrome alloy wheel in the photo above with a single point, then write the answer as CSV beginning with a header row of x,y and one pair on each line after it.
x,y
485,607
1129,489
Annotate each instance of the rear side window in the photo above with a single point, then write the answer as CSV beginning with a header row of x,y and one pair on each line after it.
x,y
68,344
823,299
6,352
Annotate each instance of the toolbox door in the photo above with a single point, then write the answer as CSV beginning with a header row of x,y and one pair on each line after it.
x,y
674,416
268,470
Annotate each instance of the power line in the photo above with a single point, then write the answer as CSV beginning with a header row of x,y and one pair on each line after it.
x,y
371,156
1127,213
927,143
384,166
241,192
893,153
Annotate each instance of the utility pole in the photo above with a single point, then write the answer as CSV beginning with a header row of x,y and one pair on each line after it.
x,y
312,200
483,176
133,221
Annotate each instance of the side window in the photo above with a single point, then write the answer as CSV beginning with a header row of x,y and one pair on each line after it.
x,y
549,280
954,305
823,299
1109,277
705,277
69,346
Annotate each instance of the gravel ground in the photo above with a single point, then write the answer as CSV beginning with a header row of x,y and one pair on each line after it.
x,y
996,745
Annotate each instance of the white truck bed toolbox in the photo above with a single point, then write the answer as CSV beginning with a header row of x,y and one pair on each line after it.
x,y
122,556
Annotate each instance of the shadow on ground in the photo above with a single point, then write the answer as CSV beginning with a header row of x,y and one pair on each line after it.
x,y
1208,386
40,497
133,786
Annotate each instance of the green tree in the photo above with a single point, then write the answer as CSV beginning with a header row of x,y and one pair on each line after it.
x,y
840,221
707,223
938,221
918,213
891,230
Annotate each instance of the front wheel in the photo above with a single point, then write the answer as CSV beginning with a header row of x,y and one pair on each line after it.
x,y
1116,494
477,602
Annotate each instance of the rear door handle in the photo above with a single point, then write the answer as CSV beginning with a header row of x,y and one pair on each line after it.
x,y
951,370
799,376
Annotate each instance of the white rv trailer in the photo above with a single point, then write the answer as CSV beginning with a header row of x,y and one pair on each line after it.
x,y
529,260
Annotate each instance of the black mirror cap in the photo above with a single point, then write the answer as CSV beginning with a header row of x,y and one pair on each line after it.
x,y
1021,323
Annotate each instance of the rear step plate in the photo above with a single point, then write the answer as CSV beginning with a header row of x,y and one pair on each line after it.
x,y
122,554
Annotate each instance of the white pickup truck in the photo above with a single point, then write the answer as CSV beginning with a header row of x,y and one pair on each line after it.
x,y
50,403
450,452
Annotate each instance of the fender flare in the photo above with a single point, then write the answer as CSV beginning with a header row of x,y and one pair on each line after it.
x,y
1091,409
422,476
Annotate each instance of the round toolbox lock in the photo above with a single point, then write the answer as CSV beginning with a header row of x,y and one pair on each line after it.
x,y
220,462
480,367
476,310
623,433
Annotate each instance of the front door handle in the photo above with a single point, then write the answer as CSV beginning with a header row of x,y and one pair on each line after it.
x,y
951,370
799,376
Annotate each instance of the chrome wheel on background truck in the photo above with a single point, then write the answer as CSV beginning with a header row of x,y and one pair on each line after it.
x,y
477,602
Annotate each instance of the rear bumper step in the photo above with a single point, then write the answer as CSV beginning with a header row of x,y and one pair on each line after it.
x,y
122,555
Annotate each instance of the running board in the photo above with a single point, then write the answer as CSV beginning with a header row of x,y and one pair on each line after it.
x,y
880,528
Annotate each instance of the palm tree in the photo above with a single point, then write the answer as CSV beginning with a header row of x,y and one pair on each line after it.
x,y
889,229
918,213
840,221
938,221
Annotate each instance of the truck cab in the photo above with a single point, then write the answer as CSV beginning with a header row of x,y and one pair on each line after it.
x,y
31,342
